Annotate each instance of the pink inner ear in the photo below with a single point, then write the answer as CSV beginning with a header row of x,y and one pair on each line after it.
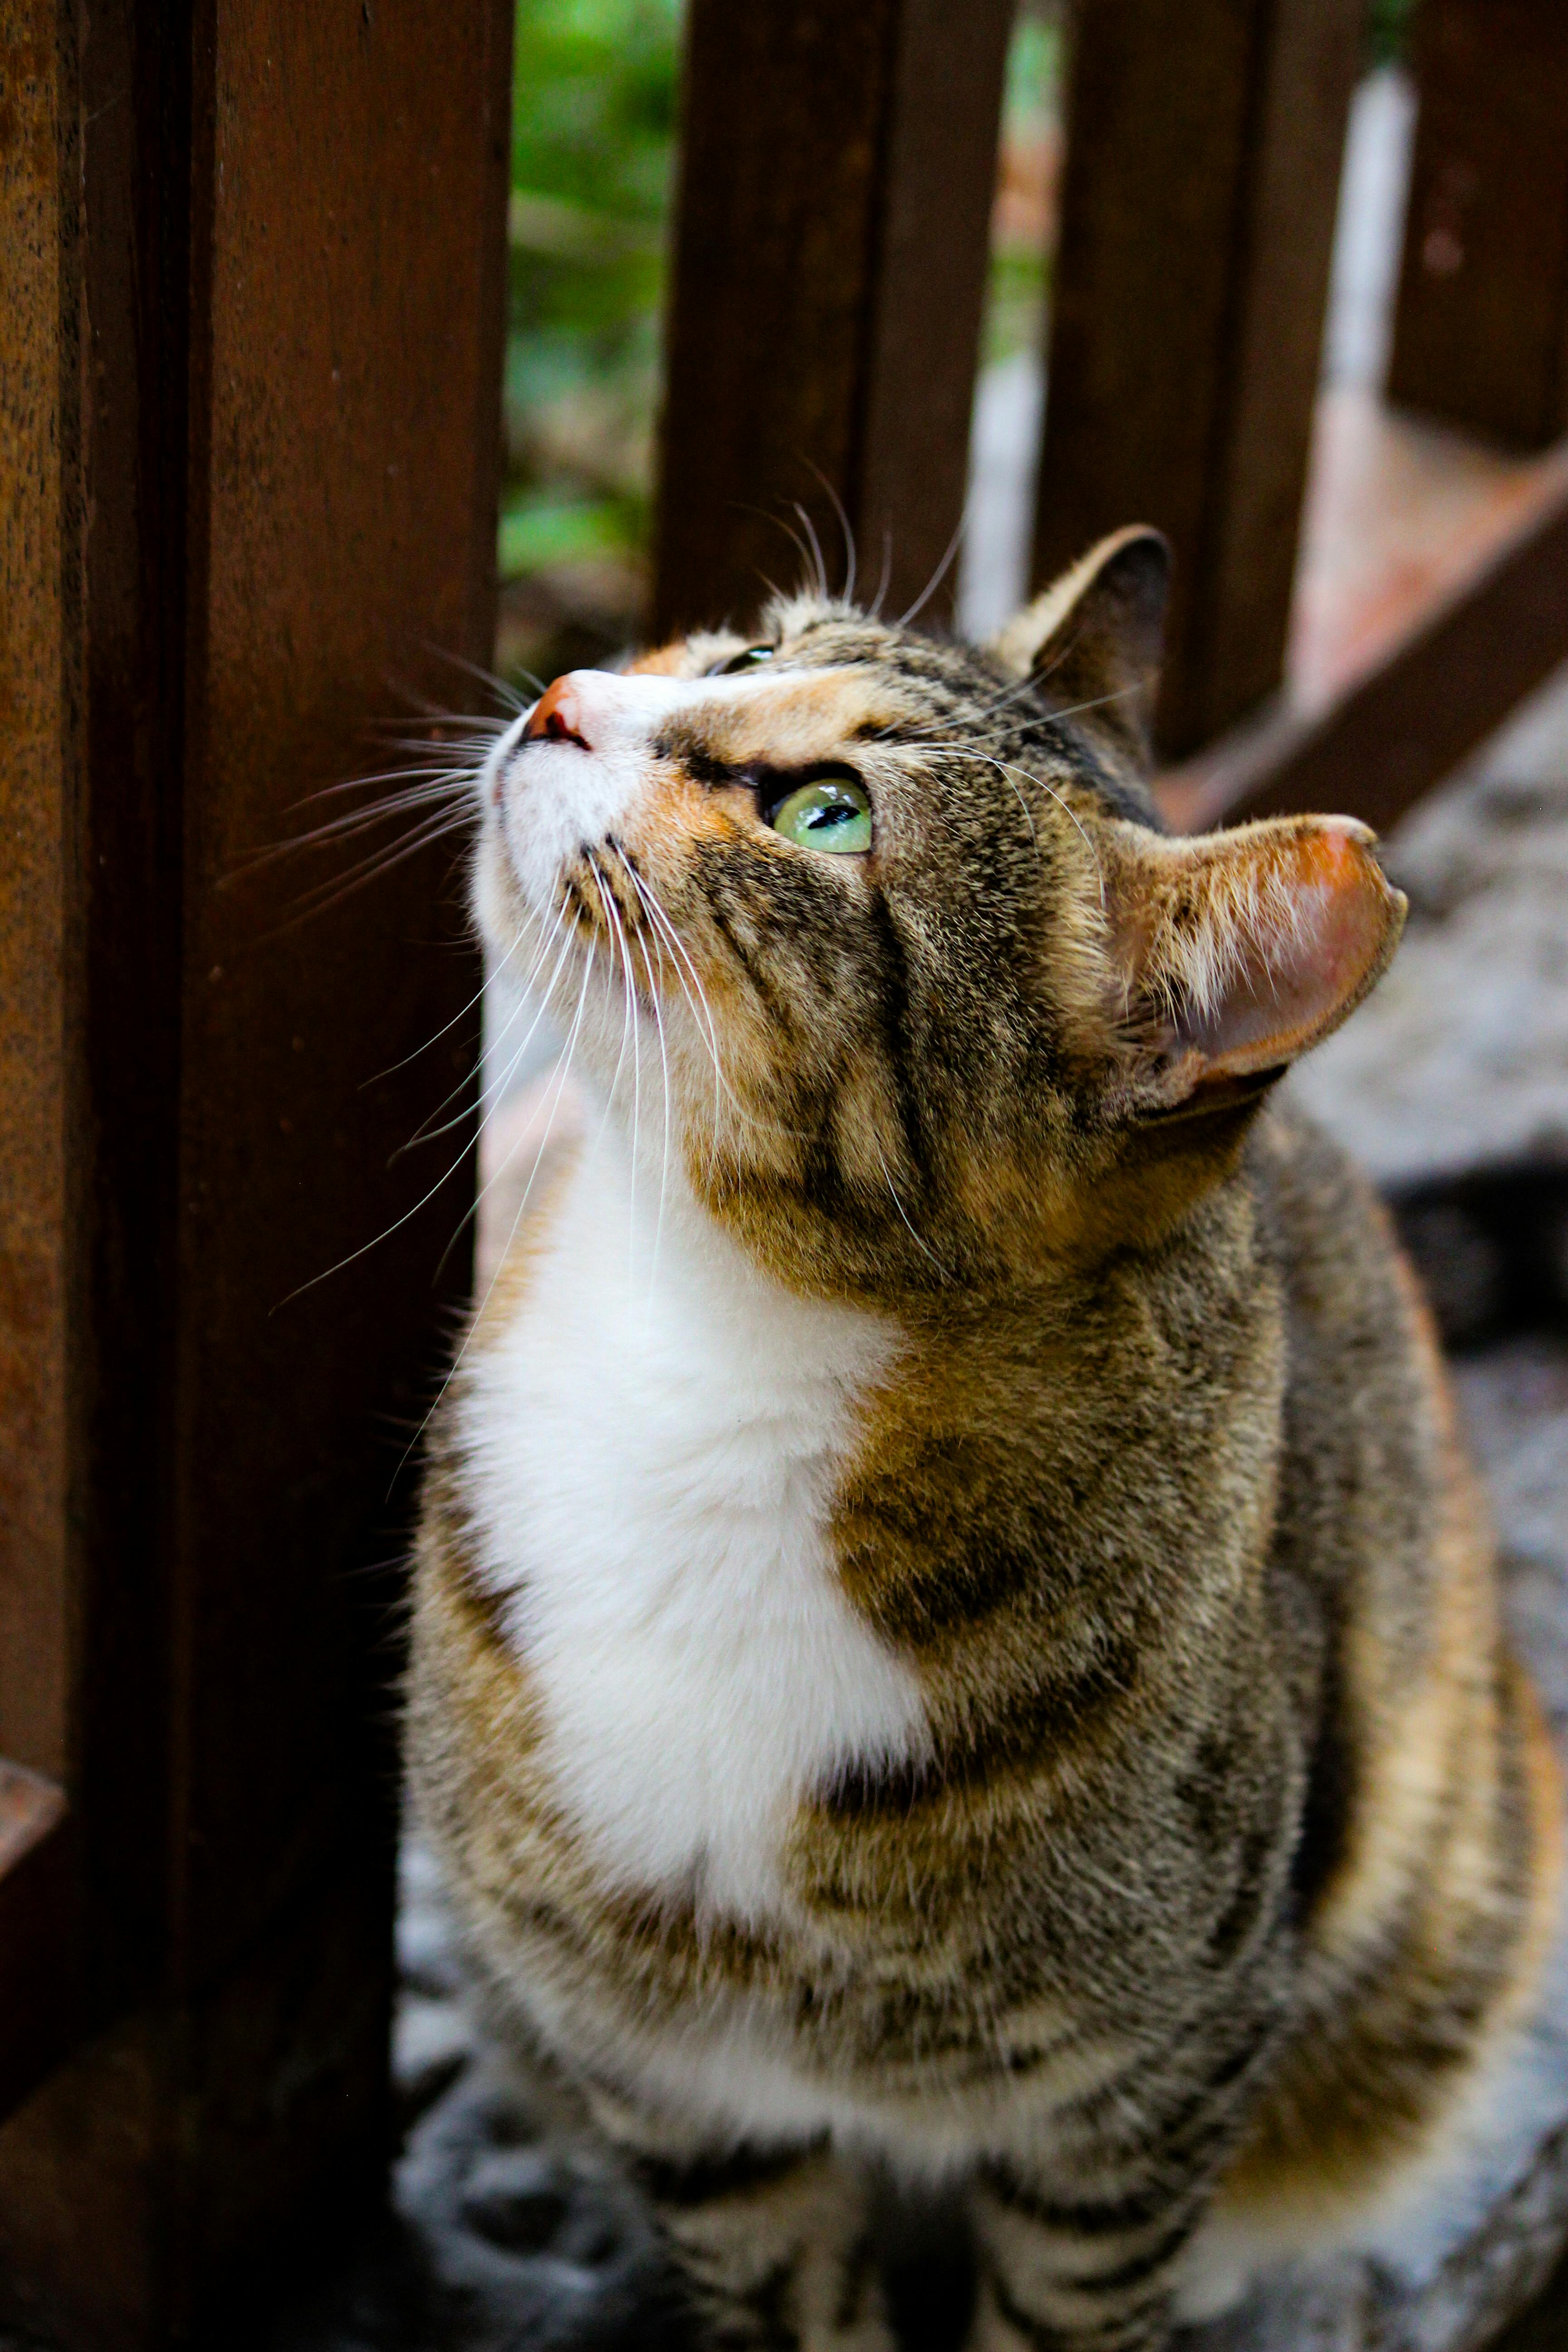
x,y
1312,945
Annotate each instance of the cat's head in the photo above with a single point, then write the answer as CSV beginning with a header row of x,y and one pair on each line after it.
x,y
883,933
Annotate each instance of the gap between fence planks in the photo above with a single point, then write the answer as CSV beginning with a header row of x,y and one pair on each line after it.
x,y
1391,734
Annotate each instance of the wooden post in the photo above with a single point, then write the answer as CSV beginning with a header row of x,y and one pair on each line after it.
x,y
1205,143
1405,724
837,168
1482,327
250,356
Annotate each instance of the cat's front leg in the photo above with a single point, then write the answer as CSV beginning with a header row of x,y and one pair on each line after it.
x,y
1063,2274
772,2244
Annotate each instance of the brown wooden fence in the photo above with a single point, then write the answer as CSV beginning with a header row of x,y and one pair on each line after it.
x,y
249,359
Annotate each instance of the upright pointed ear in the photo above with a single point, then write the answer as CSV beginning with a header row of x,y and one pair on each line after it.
x,y
1092,640
1236,952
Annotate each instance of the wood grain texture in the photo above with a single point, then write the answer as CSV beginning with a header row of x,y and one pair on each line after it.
x,y
1481,324
1409,721
290,253
1204,152
928,297
837,174
36,1974
39,584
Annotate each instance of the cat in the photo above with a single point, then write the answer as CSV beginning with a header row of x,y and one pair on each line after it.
x,y
952,1630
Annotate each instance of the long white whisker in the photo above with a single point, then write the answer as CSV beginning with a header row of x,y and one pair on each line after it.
x,y
844,525
637,1124
704,1015
696,1001
886,574
664,1162
439,774
497,1097
944,1271
561,1078
690,1003
327,894
747,1117
339,828
505,694
810,529
562,1072
628,1001
437,798
490,1099
425,1133
385,1233
938,576
477,998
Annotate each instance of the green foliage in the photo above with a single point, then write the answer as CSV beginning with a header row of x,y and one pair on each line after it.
x,y
593,113
1388,30
1033,63
593,103
593,140
1020,275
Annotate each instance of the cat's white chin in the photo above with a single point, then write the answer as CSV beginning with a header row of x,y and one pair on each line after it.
x,y
558,800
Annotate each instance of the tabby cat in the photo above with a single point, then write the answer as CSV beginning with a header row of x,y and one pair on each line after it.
x,y
952,1631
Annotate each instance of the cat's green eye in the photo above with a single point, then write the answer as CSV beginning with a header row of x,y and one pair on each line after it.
x,y
752,659
835,814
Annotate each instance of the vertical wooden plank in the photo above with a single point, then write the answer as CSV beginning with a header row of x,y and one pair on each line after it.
x,y
836,172
135,105
345,517
39,512
292,268
1205,143
781,140
928,296
1481,326
1304,77
1469,659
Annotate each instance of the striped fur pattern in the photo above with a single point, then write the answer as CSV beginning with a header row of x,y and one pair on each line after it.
x,y
954,1631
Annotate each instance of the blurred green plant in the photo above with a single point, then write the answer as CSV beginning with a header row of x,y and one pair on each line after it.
x,y
593,145
1387,35
593,113
1024,221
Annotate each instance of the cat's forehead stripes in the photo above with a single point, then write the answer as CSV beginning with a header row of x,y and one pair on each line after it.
x,y
784,719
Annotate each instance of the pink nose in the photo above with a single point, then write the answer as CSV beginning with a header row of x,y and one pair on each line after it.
x,y
558,714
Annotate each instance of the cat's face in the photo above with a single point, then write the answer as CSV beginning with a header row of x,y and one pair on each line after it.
x,y
873,937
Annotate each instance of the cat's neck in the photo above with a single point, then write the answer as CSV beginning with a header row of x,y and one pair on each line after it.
x,y
682,1281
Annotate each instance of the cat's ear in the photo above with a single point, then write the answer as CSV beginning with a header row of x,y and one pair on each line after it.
x,y
1233,953
1092,640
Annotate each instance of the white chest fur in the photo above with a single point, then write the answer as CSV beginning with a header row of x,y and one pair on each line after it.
x,y
654,1456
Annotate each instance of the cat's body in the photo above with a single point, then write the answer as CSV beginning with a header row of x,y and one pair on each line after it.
x,y
952,1627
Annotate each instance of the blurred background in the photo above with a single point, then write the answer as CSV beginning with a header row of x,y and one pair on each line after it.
x,y
593,172
593,175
